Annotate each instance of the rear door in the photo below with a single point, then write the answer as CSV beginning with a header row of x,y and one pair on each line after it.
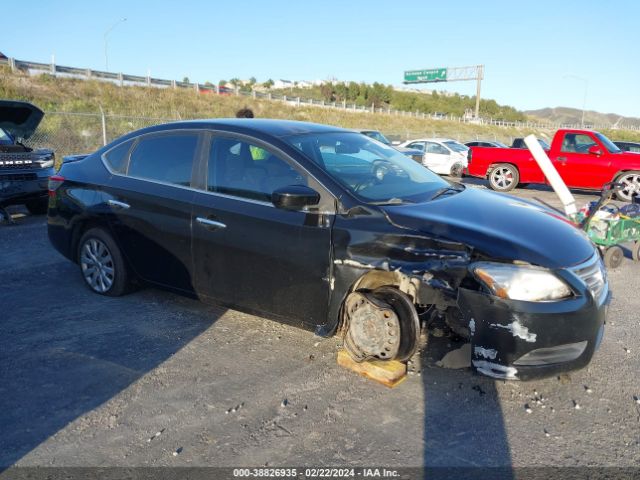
x,y
578,167
249,254
150,202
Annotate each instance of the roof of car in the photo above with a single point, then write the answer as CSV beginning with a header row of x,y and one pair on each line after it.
x,y
277,128
432,139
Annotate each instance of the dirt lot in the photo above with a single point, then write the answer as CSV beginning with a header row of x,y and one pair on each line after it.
x,y
153,379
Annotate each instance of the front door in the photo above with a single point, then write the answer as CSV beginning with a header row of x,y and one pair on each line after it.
x,y
579,168
246,252
437,158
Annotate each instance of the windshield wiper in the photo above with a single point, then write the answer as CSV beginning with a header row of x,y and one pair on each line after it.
x,y
449,189
391,201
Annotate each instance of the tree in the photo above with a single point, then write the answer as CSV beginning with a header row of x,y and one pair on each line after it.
x,y
268,84
185,80
222,83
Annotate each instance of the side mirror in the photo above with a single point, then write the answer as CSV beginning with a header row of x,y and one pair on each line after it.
x,y
595,150
294,197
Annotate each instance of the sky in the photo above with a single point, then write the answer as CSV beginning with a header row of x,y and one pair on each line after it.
x,y
536,54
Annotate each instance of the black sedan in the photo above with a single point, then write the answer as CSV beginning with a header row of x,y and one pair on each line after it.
x,y
628,146
336,232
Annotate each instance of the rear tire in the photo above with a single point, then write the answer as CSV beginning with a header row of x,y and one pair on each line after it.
x,y
613,257
37,207
503,177
101,264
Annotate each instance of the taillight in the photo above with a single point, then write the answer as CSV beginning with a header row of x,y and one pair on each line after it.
x,y
54,183
469,155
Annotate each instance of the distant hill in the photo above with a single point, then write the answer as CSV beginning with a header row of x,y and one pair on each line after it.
x,y
574,116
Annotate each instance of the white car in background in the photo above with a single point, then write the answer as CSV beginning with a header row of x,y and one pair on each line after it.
x,y
444,156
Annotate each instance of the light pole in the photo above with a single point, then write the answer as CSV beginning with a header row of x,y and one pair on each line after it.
x,y
106,55
584,99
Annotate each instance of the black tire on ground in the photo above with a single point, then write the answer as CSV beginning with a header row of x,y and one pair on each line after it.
x,y
631,180
98,251
37,207
613,257
504,177
635,251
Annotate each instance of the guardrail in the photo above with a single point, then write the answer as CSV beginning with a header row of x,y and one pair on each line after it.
x,y
126,80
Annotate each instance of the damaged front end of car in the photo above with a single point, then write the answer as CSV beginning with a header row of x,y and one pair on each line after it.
x,y
523,321
542,323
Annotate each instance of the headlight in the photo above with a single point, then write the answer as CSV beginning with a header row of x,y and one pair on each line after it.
x,y
46,163
517,282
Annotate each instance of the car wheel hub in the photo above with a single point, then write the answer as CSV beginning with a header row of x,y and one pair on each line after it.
x,y
374,328
502,177
97,265
631,186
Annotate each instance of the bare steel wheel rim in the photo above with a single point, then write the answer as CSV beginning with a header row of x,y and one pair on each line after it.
x,y
502,177
631,187
97,265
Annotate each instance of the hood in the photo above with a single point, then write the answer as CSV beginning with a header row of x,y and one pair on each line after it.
x,y
500,226
20,119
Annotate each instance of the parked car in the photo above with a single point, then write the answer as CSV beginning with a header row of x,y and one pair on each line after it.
x,y
332,231
628,146
24,172
584,159
442,155
485,143
409,152
519,143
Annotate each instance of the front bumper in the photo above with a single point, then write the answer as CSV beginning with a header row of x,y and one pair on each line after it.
x,y
19,186
516,340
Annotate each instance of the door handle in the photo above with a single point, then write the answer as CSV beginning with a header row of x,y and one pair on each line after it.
x,y
210,224
118,205
562,159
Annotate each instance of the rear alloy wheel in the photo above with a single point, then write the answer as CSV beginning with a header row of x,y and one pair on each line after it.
x,y
613,257
504,177
37,207
381,324
631,182
101,263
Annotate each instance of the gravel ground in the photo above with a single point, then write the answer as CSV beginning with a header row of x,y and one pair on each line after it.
x,y
154,379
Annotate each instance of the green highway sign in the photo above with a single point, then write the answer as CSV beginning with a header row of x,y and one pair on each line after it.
x,y
424,76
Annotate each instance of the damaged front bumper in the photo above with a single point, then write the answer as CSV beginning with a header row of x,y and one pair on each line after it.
x,y
519,340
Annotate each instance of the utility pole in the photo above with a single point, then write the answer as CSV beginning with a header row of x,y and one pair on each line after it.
x,y
584,98
106,33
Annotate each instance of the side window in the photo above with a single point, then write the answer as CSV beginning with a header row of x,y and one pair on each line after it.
x,y
577,143
244,170
416,145
117,157
166,158
438,149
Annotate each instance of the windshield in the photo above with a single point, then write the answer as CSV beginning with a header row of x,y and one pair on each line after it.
x,y
373,171
455,146
5,138
377,136
608,144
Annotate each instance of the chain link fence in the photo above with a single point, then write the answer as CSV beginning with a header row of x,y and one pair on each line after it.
x,y
70,133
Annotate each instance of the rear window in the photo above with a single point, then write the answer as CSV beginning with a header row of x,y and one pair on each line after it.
x,y
116,158
165,158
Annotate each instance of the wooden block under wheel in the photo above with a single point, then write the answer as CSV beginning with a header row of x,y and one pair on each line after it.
x,y
387,372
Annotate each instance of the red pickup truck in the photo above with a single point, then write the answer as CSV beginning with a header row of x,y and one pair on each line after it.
x,y
584,159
